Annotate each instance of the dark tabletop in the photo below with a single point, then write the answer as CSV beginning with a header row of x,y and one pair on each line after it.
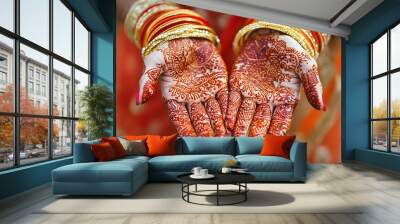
x,y
220,178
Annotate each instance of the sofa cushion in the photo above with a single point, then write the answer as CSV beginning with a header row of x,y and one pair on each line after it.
x,y
185,163
103,152
134,147
249,145
112,171
116,145
161,145
207,145
257,163
277,145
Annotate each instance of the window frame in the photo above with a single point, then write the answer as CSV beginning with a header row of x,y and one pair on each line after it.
x,y
388,74
16,115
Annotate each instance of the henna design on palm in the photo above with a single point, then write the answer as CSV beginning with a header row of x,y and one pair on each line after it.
x,y
193,81
265,84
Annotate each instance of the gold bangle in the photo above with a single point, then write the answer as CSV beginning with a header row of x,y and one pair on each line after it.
x,y
195,34
168,14
177,26
181,32
186,21
310,39
142,19
183,28
135,11
295,33
176,12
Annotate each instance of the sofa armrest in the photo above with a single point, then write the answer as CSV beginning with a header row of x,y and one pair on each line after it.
x,y
298,155
83,152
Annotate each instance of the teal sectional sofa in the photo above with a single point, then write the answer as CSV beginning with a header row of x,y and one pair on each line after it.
x,y
125,176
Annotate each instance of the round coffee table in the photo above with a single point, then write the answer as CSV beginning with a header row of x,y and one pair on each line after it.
x,y
238,179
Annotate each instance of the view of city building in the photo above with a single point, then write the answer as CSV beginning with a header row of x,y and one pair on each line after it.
x,y
50,79
34,82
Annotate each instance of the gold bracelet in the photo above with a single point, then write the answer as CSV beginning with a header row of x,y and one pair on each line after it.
x,y
135,11
148,14
166,15
184,21
295,33
181,32
195,34
307,34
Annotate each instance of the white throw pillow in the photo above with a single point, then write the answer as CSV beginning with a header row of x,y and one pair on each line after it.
x,y
134,147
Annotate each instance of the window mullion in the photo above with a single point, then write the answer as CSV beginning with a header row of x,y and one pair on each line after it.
x,y
50,87
371,140
16,70
389,104
73,82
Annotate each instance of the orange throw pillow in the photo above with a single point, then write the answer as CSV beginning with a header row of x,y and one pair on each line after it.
x,y
103,152
116,145
277,145
161,145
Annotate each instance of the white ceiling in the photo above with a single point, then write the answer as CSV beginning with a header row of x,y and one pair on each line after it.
x,y
321,9
329,16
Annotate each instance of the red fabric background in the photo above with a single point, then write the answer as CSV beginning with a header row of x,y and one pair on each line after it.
x,y
321,130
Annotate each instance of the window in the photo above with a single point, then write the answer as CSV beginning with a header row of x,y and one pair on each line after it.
x,y
3,72
33,148
81,81
81,45
7,14
6,73
385,95
30,87
62,30
62,74
30,72
3,78
37,90
34,21
41,124
6,142
44,91
38,72
3,61
62,137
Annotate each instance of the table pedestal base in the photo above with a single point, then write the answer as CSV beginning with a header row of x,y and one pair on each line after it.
x,y
220,193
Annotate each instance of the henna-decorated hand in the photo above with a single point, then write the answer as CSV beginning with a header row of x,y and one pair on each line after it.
x,y
193,80
265,84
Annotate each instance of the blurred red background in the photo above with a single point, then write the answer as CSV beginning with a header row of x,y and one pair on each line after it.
x,y
321,130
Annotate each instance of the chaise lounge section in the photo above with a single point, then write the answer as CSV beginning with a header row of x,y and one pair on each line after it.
x,y
88,177
125,176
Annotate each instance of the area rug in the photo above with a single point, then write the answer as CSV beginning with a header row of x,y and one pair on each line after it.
x,y
166,198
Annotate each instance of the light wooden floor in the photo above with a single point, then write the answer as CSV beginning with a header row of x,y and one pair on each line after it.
x,y
378,188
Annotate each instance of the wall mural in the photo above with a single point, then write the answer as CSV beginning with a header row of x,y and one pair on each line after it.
x,y
202,73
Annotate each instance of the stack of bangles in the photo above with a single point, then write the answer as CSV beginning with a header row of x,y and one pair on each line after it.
x,y
313,42
150,23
